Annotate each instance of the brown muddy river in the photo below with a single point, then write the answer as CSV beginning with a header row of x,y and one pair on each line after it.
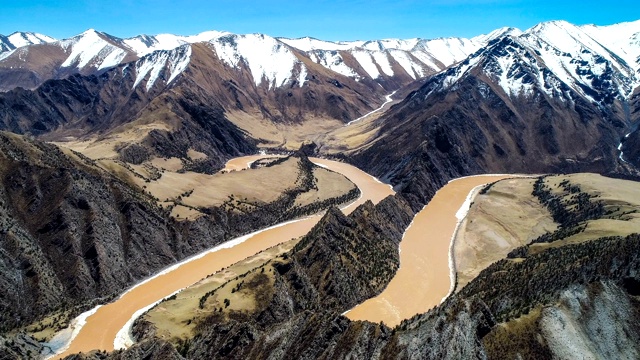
x,y
243,162
101,328
423,278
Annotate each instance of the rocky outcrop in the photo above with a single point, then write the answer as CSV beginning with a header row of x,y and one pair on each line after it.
x,y
319,279
631,144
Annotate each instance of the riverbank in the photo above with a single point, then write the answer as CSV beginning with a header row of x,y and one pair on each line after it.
x,y
107,323
425,256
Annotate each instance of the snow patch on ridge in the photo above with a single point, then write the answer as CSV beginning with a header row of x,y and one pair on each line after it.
x,y
268,59
512,85
414,69
90,47
175,61
384,44
302,76
448,51
382,59
145,44
366,61
333,61
112,59
309,44
20,39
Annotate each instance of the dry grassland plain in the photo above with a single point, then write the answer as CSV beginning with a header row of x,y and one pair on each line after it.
x,y
509,216
186,191
504,218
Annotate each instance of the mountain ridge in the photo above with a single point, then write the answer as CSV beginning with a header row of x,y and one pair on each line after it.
x,y
553,98
93,51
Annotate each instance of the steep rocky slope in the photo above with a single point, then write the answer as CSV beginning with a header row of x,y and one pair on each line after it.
x,y
342,261
510,108
73,233
578,298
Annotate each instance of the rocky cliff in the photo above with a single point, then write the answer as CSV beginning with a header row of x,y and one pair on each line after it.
x,y
73,233
574,298
342,261
508,108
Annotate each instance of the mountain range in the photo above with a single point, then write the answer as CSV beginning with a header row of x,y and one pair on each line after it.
x,y
102,82
550,99
275,61
557,42
555,98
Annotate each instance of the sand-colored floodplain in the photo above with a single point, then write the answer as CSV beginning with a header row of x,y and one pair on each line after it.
x,y
101,328
286,136
423,279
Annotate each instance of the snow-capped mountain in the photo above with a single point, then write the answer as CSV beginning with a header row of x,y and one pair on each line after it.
x,y
278,61
87,53
556,96
416,58
265,58
269,59
20,39
145,44
94,50
529,92
600,64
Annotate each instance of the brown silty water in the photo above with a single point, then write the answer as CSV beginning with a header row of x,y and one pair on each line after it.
x,y
423,279
101,328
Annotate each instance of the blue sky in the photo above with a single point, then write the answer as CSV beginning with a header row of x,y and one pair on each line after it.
x,y
330,20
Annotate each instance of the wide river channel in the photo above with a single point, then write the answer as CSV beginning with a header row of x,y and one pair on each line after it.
x,y
101,329
422,281
424,278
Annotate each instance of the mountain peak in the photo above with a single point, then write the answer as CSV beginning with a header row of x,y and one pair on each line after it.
x,y
90,31
25,38
498,33
507,31
552,25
